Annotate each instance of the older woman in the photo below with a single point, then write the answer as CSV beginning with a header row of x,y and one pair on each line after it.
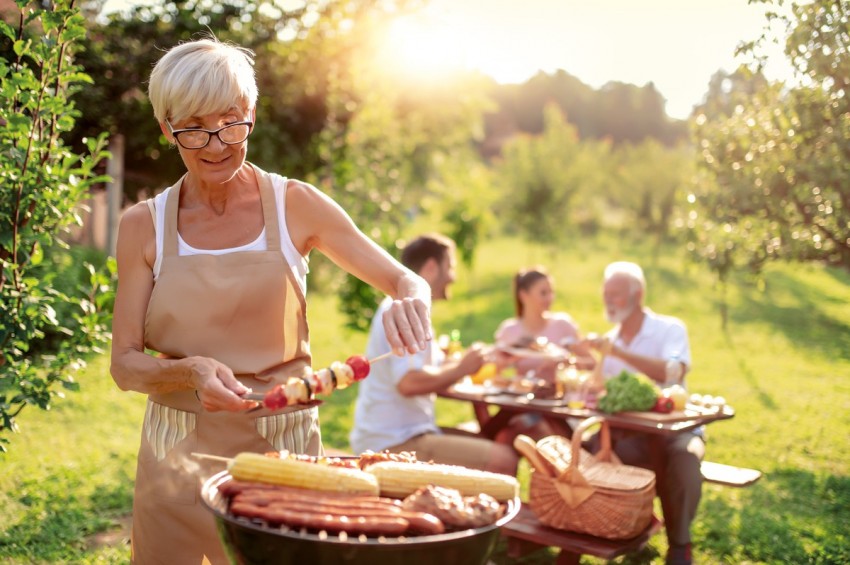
x,y
212,277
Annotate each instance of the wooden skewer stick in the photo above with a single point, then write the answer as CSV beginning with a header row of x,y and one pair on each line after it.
x,y
380,357
212,457
259,397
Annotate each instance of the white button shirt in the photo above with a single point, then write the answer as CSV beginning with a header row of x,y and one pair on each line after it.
x,y
383,417
661,337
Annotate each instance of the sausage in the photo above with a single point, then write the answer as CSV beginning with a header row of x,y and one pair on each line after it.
x,y
329,505
419,522
423,523
272,502
263,496
317,520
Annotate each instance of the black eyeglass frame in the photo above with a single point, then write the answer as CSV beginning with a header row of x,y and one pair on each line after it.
x,y
210,133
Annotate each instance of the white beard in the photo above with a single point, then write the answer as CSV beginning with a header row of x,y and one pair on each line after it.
x,y
618,315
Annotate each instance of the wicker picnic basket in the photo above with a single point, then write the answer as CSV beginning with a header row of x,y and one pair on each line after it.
x,y
591,494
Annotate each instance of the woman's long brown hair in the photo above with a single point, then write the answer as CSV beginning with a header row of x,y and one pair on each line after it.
x,y
524,280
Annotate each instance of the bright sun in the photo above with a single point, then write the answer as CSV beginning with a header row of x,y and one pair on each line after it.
x,y
422,46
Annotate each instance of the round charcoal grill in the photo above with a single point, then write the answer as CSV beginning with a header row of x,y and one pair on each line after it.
x,y
250,542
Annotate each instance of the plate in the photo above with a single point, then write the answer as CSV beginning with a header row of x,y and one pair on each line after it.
x,y
547,401
690,412
552,352
471,388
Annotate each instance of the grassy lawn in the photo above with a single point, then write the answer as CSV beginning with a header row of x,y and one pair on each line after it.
x,y
783,363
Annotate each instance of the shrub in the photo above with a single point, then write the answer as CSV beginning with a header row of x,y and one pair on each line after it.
x,y
43,183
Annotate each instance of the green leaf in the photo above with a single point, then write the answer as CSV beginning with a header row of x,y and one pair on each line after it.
x,y
71,385
7,30
37,254
19,47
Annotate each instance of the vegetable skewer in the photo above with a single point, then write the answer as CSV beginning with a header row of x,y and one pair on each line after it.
x,y
302,390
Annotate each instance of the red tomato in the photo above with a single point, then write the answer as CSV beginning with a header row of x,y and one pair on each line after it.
x,y
664,404
360,365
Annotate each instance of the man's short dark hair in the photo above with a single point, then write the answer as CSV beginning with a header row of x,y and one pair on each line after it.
x,y
431,246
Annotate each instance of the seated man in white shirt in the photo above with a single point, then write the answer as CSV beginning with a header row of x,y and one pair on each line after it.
x,y
657,346
395,404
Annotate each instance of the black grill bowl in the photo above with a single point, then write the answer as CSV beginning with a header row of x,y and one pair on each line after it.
x,y
249,543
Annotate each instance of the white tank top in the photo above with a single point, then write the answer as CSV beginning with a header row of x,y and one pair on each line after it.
x,y
297,262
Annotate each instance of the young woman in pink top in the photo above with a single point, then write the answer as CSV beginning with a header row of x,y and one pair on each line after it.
x,y
534,322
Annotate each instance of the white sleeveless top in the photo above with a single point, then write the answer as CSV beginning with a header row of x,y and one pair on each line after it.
x,y
297,262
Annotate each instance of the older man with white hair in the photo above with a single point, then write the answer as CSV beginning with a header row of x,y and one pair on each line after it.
x,y
657,346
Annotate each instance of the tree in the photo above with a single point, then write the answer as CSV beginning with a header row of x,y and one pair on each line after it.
x,y
775,160
650,180
543,175
120,52
43,183
377,162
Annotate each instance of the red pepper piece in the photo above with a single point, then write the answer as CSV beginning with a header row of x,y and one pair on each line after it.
x,y
275,399
664,404
360,365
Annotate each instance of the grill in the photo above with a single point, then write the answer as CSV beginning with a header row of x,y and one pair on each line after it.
x,y
250,542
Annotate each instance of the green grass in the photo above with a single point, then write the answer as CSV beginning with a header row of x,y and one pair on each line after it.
x,y
783,363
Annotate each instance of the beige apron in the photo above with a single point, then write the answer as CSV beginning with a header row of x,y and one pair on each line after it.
x,y
246,310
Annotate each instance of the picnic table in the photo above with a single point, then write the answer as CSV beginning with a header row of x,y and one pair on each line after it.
x,y
526,533
556,411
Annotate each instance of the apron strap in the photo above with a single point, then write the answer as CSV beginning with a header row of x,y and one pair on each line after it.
x,y
172,205
269,209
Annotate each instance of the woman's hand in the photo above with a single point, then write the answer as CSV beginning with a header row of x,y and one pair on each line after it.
x,y
407,324
216,387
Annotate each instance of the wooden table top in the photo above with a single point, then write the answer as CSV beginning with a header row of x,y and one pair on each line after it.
x,y
648,422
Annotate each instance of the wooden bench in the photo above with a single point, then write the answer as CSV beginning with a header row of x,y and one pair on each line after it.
x,y
525,534
727,475
716,473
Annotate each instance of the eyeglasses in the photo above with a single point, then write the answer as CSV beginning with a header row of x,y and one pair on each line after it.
x,y
231,134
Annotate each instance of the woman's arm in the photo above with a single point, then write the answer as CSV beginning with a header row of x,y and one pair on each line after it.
x,y
131,367
315,221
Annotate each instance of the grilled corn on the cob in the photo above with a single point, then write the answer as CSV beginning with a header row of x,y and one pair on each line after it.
x,y
302,474
400,479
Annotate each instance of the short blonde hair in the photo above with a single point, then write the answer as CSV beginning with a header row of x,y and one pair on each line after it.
x,y
202,77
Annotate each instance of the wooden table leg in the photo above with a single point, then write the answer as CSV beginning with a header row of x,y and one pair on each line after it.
x,y
482,414
497,423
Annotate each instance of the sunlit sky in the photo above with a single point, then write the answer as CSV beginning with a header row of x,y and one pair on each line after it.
x,y
676,44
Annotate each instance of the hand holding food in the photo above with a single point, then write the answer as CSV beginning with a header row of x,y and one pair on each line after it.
x,y
600,343
301,390
471,361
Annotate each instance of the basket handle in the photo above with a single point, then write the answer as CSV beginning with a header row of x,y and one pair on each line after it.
x,y
571,485
579,432
526,446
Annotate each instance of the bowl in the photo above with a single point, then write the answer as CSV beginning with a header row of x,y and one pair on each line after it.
x,y
249,542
